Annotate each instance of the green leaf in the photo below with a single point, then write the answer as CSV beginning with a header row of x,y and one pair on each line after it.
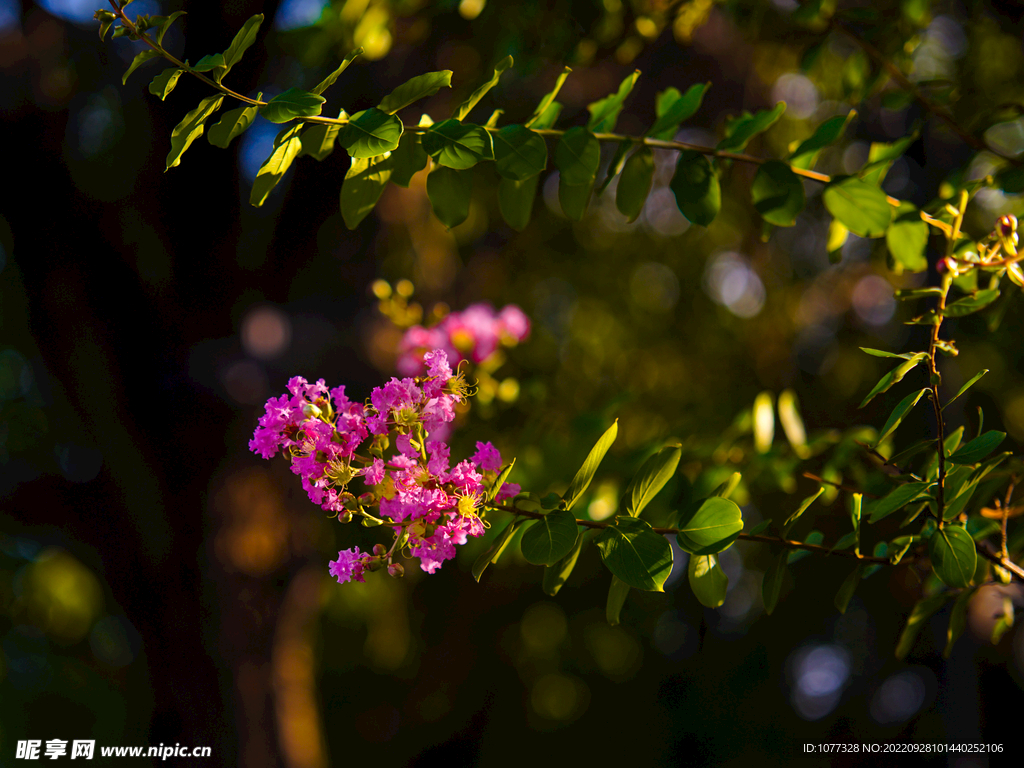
x,y
546,120
574,198
294,103
499,481
519,153
458,145
191,128
467,106
515,201
881,157
138,61
742,129
635,183
231,124
651,478
450,191
971,304
907,239
328,81
957,620
696,188
951,550
577,157
636,554
899,413
164,83
318,139
861,207
791,520
894,376
712,527
883,353
550,539
672,108
615,166
245,37
845,541
415,89
617,594
166,25
556,575
725,489
370,133
605,112
707,580
922,611
362,188
106,19
493,552
796,555
828,132
978,448
896,499
586,473
771,586
539,117
274,167
1003,622
778,194
848,587
208,62
759,528
409,159
968,385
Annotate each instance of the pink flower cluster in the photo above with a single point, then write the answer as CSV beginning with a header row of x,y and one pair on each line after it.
x,y
431,506
474,334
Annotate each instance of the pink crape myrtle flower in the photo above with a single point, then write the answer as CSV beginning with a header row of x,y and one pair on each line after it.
x,y
330,441
473,334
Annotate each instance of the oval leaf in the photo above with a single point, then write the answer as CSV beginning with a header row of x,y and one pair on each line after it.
x,y
742,129
231,124
191,128
978,448
651,478
370,133
291,104
550,539
474,98
458,145
953,556
826,133
636,554
971,304
577,157
907,239
707,580
712,527
605,113
275,166
519,153
574,199
696,188
617,594
771,586
164,83
415,89
635,183
586,472
777,193
861,207
362,188
450,191
515,200
556,575
672,108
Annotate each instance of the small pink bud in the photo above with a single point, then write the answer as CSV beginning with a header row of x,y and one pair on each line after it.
x,y
379,549
946,265
367,499
396,570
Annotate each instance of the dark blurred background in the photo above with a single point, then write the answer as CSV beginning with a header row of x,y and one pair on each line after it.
x,y
160,584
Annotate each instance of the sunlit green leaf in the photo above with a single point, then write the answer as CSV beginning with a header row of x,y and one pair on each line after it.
x,y
450,192
791,520
231,124
792,423
415,89
605,112
899,413
742,129
541,117
318,139
672,108
409,159
328,81
635,183
636,554
164,83
210,62
828,132
971,304
883,353
968,385
138,61
707,580
191,128
764,422
293,103
881,157
978,448
519,153
777,194
549,539
894,376
586,472
467,106
245,37
896,499
907,239
275,166
862,207
458,145
651,478
696,188
556,575
362,188
370,133
712,527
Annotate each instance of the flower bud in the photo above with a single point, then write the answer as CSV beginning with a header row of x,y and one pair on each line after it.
x,y
310,410
946,265
346,517
1007,225
367,499
379,549
396,570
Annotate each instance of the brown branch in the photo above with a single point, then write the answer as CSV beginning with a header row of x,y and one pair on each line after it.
x,y
814,477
